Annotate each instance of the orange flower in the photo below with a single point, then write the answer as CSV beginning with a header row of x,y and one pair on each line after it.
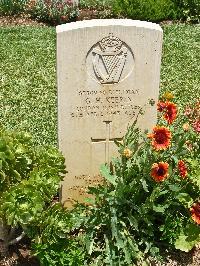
x,y
195,211
159,171
161,138
169,109
182,168
161,106
170,112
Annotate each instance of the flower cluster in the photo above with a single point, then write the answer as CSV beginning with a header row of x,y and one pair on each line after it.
x,y
169,109
161,140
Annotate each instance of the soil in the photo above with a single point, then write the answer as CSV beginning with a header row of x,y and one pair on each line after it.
x,y
20,255
180,258
22,19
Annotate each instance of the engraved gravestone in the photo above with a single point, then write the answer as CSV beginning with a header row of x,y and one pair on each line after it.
x,y
107,70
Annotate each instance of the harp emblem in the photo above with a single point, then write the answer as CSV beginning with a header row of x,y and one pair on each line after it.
x,y
109,59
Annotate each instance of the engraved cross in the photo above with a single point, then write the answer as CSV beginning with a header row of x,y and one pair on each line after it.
x,y
107,140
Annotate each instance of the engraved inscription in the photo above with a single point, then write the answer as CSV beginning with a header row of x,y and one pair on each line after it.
x,y
110,60
81,191
106,103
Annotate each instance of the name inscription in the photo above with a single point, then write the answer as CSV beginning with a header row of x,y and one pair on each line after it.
x,y
100,103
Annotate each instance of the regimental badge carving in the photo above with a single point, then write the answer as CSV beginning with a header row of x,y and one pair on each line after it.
x,y
110,60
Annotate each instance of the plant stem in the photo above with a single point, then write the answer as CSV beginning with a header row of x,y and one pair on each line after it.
x,y
4,236
17,239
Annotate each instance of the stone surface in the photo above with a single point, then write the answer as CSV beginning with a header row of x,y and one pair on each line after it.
x,y
107,70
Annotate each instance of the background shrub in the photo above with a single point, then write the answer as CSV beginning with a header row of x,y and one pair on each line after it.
x,y
95,3
96,9
11,7
53,11
188,10
153,10
62,11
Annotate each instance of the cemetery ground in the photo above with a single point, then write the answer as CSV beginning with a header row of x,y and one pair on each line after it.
x,y
28,83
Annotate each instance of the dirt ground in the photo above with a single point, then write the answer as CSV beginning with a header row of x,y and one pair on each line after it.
x,y
20,255
19,20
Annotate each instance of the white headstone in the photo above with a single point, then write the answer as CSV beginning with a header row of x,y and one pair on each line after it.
x,y
106,71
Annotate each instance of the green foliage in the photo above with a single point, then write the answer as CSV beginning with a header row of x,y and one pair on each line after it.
x,y
188,237
98,4
132,215
153,10
97,8
188,10
54,11
54,242
68,253
16,158
12,7
29,178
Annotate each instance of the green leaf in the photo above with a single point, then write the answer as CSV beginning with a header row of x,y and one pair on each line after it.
x,y
144,185
89,200
89,241
133,222
184,245
188,238
185,199
174,187
104,170
160,208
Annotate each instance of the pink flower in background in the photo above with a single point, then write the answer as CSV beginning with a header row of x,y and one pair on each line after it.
x,y
196,126
69,2
188,111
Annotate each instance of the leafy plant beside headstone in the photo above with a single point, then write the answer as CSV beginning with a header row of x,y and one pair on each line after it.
x,y
150,199
55,241
148,202
29,178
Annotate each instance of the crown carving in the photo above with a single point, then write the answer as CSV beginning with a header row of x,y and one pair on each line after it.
x,y
110,43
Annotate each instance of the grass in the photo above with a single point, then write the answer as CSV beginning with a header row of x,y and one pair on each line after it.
x,y
180,62
28,75
28,81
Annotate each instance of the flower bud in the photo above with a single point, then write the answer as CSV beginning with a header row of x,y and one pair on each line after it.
x,y
127,153
186,126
